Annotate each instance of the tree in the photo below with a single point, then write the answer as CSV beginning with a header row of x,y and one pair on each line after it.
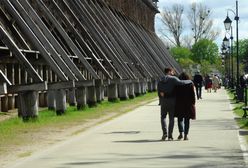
x,y
205,49
199,18
201,23
243,53
180,52
183,57
172,19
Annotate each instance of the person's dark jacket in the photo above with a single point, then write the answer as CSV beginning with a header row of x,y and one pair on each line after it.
x,y
185,102
168,83
198,80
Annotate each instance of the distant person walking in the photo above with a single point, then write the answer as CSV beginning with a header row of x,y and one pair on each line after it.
x,y
208,83
216,83
198,81
167,100
185,107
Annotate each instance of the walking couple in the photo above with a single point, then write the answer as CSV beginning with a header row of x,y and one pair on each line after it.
x,y
177,99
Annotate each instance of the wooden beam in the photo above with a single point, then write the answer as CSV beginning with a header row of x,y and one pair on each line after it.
x,y
81,39
119,38
3,88
67,39
4,79
29,9
29,33
27,87
100,37
86,83
61,85
62,64
12,46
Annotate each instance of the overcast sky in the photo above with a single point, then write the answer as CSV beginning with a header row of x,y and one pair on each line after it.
x,y
219,12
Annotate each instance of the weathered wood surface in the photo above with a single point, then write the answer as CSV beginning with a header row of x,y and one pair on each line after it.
x,y
27,87
86,19
55,44
8,42
34,40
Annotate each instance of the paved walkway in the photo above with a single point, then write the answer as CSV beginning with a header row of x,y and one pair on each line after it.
x,y
133,141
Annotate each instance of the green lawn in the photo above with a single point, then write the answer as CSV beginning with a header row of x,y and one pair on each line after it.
x,y
15,132
242,122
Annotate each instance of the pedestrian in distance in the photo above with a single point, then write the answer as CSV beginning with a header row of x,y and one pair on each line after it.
x,y
208,83
185,106
198,81
216,82
166,92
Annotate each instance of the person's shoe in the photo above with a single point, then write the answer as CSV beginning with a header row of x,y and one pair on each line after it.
x,y
180,137
163,137
185,138
170,139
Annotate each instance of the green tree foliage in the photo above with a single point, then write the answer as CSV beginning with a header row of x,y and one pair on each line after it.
x,y
243,55
243,50
183,56
206,50
180,52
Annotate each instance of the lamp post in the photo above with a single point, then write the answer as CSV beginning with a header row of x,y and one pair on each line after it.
x,y
226,52
227,23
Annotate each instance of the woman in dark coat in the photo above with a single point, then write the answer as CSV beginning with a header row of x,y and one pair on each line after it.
x,y
185,106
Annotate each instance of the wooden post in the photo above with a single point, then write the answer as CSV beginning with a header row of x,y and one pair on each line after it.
x,y
81,98
28,105
11,101
112,92
72,97
143,87
42,99
123,92
91,96
60,96
150,86
137,88
102,92
4,103
51,100
155,85
99,92
131,93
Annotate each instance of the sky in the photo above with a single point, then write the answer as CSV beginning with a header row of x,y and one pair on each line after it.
x,y
219,10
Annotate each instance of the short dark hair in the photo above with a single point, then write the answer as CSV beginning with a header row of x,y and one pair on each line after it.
x,y
167,69
184,76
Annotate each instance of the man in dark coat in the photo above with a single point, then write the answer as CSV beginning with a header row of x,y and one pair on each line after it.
x,y
185,106
198,81
167,100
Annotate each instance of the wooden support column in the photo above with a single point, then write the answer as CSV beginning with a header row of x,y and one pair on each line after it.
x,y
60,96
150,86
137,88
91,96
10,76
143,87
81,98
4,99
123,91
155,85
131,93
112,92
72,97
51,102
4,104
42,99
99,88
28,105
103,92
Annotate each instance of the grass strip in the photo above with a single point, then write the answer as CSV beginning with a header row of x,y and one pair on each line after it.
x,y
14,132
